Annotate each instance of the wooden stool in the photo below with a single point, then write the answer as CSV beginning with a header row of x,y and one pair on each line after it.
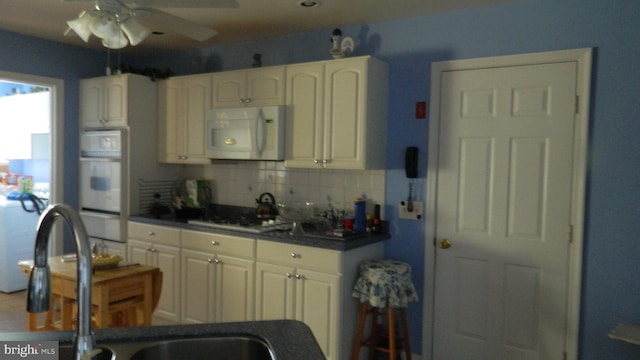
x,y
384,289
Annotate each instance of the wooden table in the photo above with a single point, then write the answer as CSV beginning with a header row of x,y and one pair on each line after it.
x,y
122,296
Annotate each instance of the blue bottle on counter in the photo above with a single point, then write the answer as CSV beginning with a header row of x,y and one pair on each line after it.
x,y
360,217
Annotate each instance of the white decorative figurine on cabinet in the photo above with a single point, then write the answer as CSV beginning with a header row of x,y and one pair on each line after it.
x,y
340,49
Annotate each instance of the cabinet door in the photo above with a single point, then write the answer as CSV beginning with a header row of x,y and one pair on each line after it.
x,y
167,258
91,99
138,252
198,285
265,86
115,99
197,98
171,132
345,101
305,124
229,89
317,305
234,295
274,292
183,105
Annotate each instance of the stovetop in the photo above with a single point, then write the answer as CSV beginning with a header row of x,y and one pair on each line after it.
x,y
241,222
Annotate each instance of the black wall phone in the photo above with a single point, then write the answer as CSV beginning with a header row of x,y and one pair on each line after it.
x,y
411,169
411,162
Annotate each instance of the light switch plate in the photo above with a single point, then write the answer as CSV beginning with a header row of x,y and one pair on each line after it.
x,y
415,214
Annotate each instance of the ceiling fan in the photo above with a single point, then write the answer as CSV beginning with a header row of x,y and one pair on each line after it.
x,y
114,21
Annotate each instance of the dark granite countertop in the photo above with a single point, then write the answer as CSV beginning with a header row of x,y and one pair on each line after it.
x,y
289,339
320,241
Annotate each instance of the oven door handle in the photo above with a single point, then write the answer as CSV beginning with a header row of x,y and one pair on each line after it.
x,y
100,159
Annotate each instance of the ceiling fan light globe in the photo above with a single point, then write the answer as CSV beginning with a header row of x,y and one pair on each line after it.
x,y
104,26
81,26
115,42
135,31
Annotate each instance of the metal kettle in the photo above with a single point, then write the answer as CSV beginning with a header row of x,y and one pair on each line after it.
x,y
266,210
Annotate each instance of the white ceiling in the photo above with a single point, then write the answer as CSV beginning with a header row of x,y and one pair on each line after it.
x,y
252,20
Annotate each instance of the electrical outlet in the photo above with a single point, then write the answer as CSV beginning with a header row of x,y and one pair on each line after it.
x,y
414,214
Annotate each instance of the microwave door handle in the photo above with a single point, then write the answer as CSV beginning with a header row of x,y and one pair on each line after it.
x,y
260,135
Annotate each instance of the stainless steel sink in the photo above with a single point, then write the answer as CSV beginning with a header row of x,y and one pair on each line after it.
x,y
227,348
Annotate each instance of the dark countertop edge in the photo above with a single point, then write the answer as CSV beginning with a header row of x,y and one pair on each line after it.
x,y
289,339
341,244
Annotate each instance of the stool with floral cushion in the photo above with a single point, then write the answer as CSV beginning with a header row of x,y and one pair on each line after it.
x,y
384,288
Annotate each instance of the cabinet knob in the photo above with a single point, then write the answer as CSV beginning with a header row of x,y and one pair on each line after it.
x,y
324,161
316,161
214,243
295,256
288,275
151,233
299,277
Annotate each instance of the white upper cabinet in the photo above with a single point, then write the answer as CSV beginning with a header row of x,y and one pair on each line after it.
x,y
337,114
183,104
104,101
253,87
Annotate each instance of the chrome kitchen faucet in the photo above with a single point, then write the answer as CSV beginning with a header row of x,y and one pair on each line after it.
x,y
39,291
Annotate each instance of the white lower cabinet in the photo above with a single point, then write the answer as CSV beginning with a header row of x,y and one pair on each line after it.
x,y
159,246
218,273
296,293
209,277
312,285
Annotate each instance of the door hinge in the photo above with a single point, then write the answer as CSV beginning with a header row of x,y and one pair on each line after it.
x,y
570,234
577,104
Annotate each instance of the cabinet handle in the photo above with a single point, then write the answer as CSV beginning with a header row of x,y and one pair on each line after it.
x,y
295,256
215,243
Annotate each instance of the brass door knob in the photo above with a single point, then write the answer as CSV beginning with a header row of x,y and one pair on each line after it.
x,y
444,244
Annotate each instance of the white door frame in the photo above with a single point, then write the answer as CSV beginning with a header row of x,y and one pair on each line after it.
x,y
57,141
581,127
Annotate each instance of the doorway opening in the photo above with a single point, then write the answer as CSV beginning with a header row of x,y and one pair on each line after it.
x,y
31,147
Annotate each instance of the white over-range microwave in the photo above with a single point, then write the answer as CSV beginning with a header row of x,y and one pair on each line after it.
x,y
251,133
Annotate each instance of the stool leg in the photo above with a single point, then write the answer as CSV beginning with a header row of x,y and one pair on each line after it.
x,y
374,340
391,324
405,331
358,341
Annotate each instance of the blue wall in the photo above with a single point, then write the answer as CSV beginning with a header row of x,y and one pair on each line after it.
x,y
611,285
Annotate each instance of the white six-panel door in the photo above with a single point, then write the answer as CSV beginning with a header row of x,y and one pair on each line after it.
x,y
504,195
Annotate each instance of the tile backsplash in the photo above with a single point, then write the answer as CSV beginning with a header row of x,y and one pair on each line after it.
x,y
241,182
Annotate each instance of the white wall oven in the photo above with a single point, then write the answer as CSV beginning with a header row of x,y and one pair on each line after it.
x,y
102,187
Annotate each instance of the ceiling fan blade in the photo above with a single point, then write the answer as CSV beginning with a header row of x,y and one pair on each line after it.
x,y
186,3
163,21
176,4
